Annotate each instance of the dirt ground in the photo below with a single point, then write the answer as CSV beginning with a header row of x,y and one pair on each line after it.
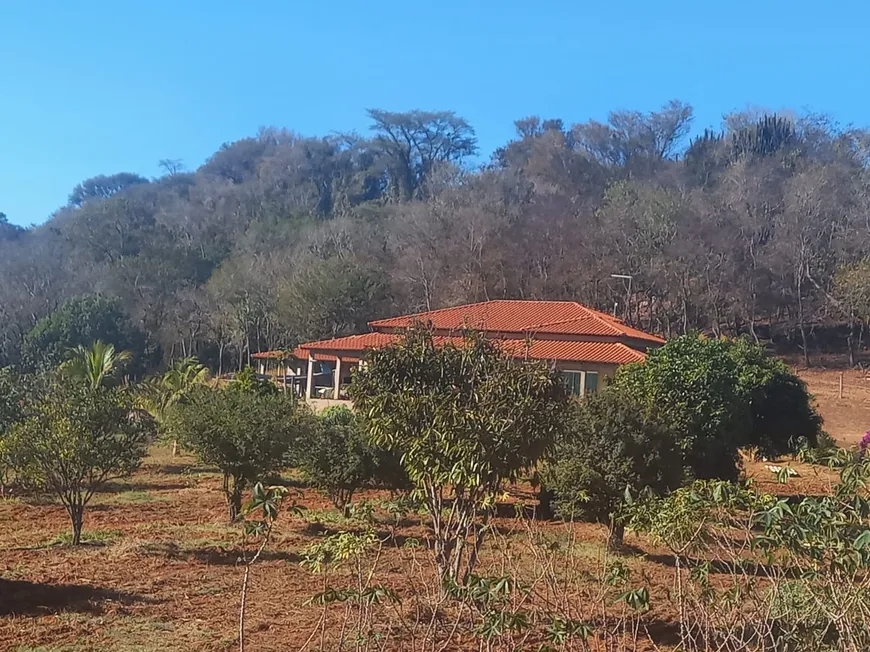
x,y
161,568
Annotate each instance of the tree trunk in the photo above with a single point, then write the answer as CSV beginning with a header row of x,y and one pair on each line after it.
x,y
233,490
850,342
545,502
76,515
615,536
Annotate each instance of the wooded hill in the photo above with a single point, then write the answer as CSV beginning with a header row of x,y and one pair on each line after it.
x,y
761,228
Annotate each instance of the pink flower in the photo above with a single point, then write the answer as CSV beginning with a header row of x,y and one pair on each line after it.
x,y
865,443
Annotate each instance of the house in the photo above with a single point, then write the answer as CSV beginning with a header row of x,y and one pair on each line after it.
x,y
585,345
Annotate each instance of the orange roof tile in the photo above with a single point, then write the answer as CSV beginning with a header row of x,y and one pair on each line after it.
x,y
573,351
507,316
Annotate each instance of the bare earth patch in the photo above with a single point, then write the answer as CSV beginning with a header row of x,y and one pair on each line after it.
x,y
162,572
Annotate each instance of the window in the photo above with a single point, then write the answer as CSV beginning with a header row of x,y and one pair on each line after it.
x,y
591,384
579,383
573,382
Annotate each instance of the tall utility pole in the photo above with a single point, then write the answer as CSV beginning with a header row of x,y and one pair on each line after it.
x,y
624,278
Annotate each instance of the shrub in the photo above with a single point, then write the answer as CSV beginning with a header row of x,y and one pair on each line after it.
x,y
336,457
465,419
691,384
781,411
720,396
75,439
247,382
612,444
245,435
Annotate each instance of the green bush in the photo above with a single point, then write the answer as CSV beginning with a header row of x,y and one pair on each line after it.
x,y
781,411
612,444
691,384
247,382
720,396
245,435
75,439
336,457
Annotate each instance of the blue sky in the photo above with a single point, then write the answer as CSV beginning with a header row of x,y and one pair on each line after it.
x,y
91,87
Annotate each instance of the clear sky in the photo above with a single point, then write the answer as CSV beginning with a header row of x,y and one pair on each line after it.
x,y
90,87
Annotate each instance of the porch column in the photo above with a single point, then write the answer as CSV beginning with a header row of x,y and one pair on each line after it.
x,y
337,379
309,381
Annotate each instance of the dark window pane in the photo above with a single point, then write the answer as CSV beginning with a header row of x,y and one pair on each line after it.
x,y
572,381
591,382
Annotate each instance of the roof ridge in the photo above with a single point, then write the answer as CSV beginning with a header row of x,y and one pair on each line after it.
x,y
430,312
594,314
467,305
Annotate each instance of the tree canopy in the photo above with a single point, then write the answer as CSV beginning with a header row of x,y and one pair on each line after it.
x,y
465,419
757,227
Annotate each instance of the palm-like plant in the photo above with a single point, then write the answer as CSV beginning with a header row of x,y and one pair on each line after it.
x,y
97,365
159,395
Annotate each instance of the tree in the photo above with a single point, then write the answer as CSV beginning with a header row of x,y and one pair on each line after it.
x,y
97,365
245,435
160,395
781,411
630,136
719,396
465,420
247,382
612,444
336,457
415,142
331,298
13,391
172,166
690,384
81,322
851,291
76,438
8,231
103,187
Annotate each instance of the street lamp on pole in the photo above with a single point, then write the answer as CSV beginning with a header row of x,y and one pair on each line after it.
x,y
624,278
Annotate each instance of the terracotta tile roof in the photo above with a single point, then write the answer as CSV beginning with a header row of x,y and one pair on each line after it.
x,y
572,351
272,355
504,316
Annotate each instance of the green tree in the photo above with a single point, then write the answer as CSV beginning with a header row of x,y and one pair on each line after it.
x,y
75,439
96,365
336,457
612,445
159,395
245,435
465,420
331,298
80,322
781,410
247,382
691,384
719,396
851,293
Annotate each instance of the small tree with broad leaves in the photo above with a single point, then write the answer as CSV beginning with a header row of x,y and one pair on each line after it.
x,y
245,435
466,420
75,439
260,516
